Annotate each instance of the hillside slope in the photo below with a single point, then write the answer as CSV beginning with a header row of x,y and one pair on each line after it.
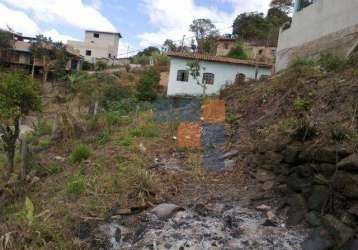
x,y
297,134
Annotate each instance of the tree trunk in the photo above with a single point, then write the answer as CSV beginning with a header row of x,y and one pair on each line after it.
x,y
24,158
33,69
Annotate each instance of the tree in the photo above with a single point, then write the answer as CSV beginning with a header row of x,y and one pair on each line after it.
x,y
195,68
238,52
41,50
148,85
5,44
169,45
205,34
19,95
61,59
283,5
251,27
276,17
143,57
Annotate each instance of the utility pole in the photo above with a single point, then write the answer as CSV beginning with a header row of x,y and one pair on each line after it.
x,y
128,51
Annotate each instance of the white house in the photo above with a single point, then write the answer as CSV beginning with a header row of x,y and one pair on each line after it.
x,y
217,72
318,26
98,45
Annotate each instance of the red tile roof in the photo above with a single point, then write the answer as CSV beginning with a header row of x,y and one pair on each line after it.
x,y
219,59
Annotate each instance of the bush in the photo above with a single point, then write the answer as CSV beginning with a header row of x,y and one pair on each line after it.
x,y
302,62
148,85
104,137
42,128
238,52
101,65
331,62
87,66
302,104
76,185
149,130
80,153
126,142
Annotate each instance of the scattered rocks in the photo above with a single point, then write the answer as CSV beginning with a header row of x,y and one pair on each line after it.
x,y
347,184
318,198
349,164
166,210
264,176
318,240
340,231
354,209
297,211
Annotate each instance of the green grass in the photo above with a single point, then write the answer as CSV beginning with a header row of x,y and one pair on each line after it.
x,y
45,143
104,137
126,142
147,131
81,152
76,185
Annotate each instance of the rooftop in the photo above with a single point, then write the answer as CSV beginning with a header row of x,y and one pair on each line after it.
x,y
219,59
105,32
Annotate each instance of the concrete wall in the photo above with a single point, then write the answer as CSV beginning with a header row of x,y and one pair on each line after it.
x,y
224,74
102,47
321,19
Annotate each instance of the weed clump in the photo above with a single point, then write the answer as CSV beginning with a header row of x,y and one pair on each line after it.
x,y
76,185
81,152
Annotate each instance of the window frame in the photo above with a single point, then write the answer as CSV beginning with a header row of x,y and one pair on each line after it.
x,y
88,52
208,76
96,35
182,75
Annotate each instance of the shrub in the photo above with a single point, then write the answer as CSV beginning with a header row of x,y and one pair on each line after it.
x,y
238,52
80,153
148,85
304,131
42,128
149,130
104,136
302,62
302,104
76,185
126,142
331,62
101,65
87,65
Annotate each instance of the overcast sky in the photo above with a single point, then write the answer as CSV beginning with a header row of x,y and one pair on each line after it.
x,y
141,22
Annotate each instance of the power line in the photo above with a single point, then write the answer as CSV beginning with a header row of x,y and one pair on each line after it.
x,y
175,41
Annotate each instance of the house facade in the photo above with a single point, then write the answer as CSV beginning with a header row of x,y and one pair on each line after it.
x,y
216,72
318,26
98,45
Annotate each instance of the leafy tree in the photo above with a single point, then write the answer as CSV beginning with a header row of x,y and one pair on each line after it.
x,y
148,85
144,56
251,27
283,5
5,43
40,49
205,34
195,68
276,17
19,95
61,59
169,45
238,52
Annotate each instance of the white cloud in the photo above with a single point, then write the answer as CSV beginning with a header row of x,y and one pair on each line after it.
x,y
172,18
57,37
71,12
17,20
249,6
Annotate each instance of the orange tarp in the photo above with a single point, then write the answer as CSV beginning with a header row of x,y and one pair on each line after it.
x,y
189,135
214,111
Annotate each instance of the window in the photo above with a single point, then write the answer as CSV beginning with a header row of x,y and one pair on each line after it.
x,y
88,53
109,55
182,76
208,78
226,45
96,35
